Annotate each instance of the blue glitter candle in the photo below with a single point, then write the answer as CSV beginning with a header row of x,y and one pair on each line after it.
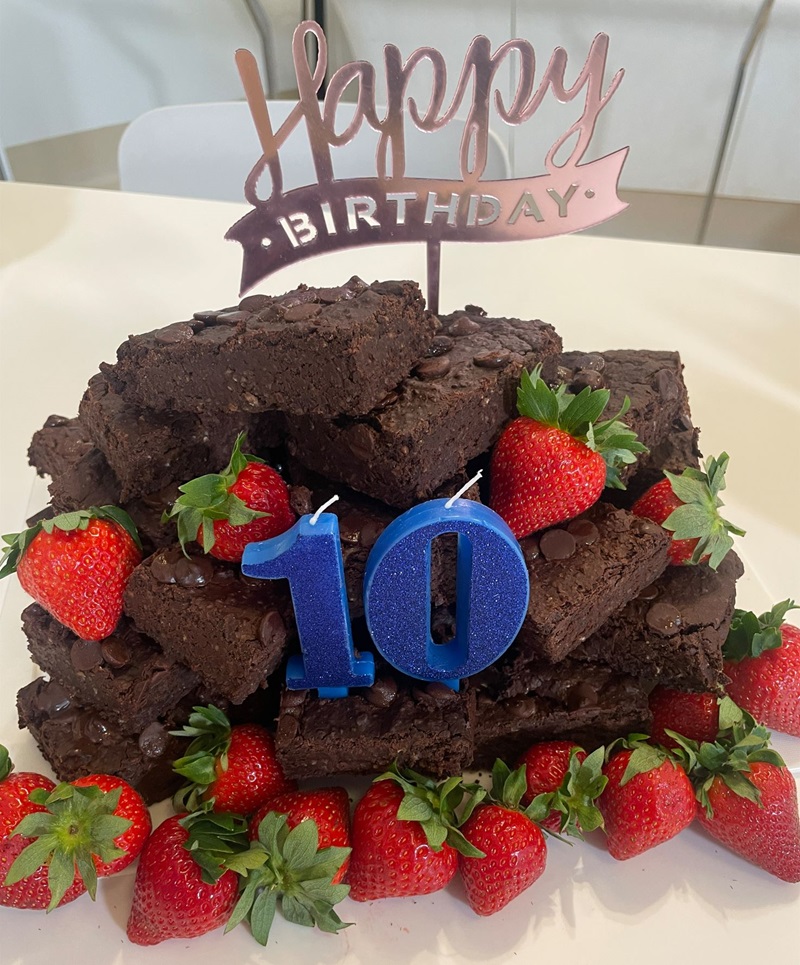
x,y
309,555
492,590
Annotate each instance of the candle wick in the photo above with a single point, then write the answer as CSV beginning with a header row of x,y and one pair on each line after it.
x,y
464,488
322,509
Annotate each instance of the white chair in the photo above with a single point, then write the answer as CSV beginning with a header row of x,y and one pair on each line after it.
x,y
207,151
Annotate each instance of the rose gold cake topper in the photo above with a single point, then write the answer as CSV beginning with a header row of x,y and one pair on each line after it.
x,y
332,214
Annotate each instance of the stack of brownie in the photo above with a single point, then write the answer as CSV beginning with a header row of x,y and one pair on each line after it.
x,y
359,391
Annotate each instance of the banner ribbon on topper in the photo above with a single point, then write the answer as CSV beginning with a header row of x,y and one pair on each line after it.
x,y
332,214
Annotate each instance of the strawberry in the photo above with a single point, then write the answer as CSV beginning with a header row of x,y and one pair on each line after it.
x,y
288,863
762,659
230,768
182,887
246,503
132,808
513,846
75,833
565,785
552,463
695,716
77,566
32,891
648,799
748,796
688,506
327,807
405,836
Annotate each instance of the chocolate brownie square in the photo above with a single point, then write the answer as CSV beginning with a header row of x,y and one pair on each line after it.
x,y
233,632
451,409
58,446
125,678
580,574
325,350
77,741
425,726
673,632
588,703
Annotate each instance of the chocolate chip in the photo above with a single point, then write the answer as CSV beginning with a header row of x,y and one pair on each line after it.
x,y
582,695
429,369
95,729
301,313
587,378
292,699
356,285
475,310
648,526
329,296
530,548
441,345
667,385
388,287
388,400
163,568
196,571
683,422
492,360
272,629
303,296
289,726
233,318
584,531
463,325
207,316
85,655
591,360
382,692
52,699
175,333
116,652
664,618
440,692
523,707
153,740
557,544
649,592
255,303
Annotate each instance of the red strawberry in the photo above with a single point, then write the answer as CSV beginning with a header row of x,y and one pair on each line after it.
x,y
327,807
695,716
688,506
77,566
131,807
246,503
32,891
552,463
234,767
405,836
566,784
513,847
171,897
648,800
762,659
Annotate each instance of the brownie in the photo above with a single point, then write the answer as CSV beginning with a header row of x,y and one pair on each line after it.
x,y
149,450
673,632
58,445
652,380
426,726
581,573
588,703
323,350
76,741
88,481
233,632
125,678
451,409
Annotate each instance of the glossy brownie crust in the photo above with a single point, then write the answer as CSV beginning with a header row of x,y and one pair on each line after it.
x,y
125,678
76,741
451,409
425,726
616,557
673,632
231,631
320,350
585,702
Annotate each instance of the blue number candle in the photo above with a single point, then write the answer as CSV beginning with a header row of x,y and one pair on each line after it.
x,y
309,555
492,590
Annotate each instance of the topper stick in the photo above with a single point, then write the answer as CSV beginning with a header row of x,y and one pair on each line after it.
x,y
434,248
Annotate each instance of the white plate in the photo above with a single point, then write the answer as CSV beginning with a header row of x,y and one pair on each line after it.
x,y
733,315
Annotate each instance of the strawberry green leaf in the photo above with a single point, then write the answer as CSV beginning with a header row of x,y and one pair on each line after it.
x,y
644,758
6,764
751,635
211,733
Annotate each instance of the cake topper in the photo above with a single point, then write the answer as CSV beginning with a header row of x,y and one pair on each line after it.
x,y
286,227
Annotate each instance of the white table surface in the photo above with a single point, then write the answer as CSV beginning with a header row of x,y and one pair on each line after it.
x,y
80,270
